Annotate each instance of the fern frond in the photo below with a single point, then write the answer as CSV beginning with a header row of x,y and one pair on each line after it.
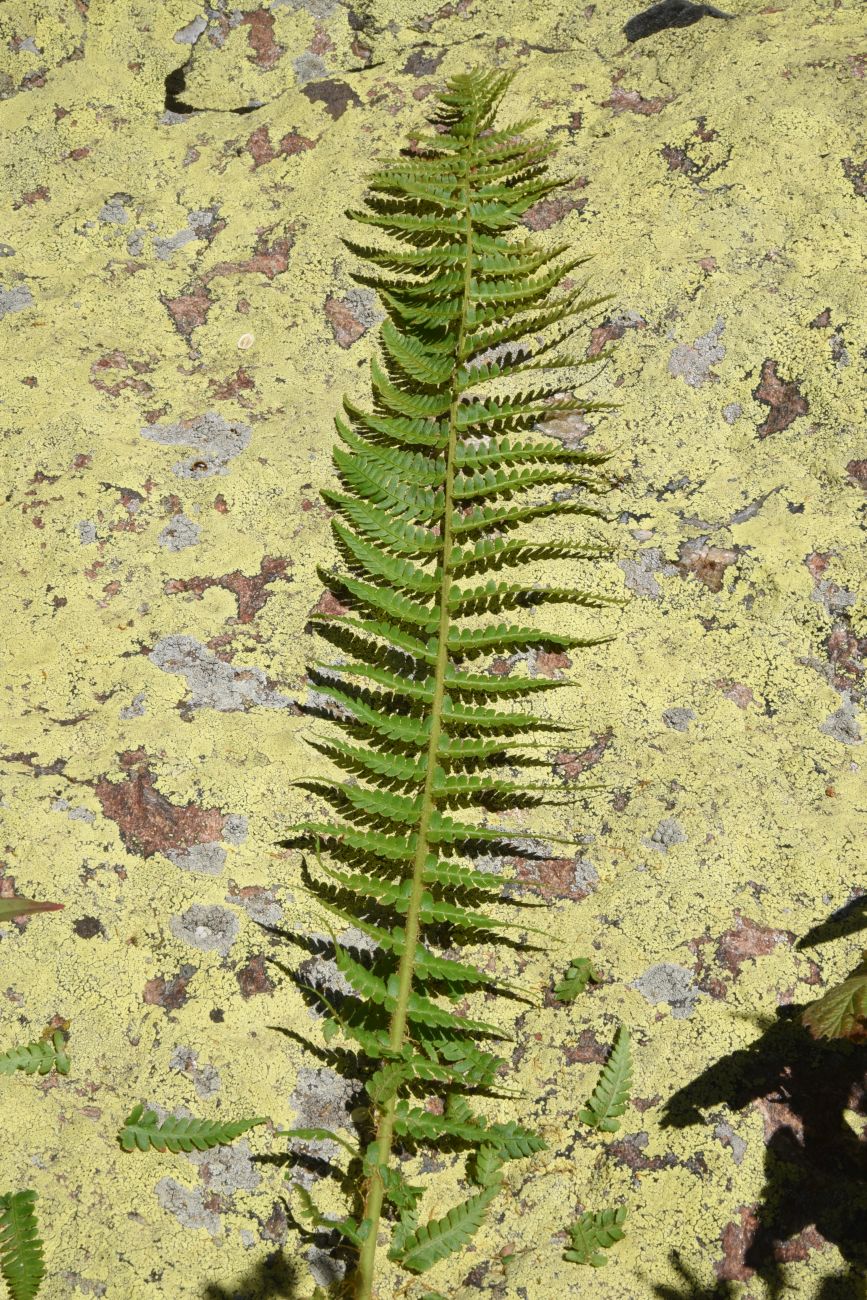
x,y
37,1057
440,472
594,1232
22,1263
142,1129
439,1238
610,1097
576,979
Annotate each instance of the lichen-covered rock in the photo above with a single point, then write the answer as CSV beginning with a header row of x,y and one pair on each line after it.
x,y
179,322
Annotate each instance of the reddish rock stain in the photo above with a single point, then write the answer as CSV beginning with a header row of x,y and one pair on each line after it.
x,y
250,591
147,821
748,939
782,397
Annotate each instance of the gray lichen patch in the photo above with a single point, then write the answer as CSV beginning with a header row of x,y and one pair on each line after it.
x,y
209,928
113,213
235,828
693,361
678,718
187,1204
18,298
166,247
322,1099
228,1168
668,833
843,725
205,1077
190,34
135,710
639,573
309,67
212,683
179,533
672,984
725,1134
216,441
206,859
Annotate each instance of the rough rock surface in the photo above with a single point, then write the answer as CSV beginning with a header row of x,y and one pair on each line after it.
x,y
178,323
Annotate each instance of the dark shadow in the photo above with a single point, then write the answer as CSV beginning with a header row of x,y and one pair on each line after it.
x,y
669,13
272,1278
692,1288
849,919
176,84
815,1165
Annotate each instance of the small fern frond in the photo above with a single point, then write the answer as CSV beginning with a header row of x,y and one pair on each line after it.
x,y
142,1130
594,1232
37,1057
610,1097
576,979
22,1263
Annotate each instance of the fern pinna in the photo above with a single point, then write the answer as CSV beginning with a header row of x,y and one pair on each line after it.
x,y
435,481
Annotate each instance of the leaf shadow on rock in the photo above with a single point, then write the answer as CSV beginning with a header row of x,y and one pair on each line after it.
x,y
815,1164
272,1278
844,1286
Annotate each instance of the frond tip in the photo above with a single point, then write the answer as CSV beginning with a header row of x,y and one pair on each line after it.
x,y
21,1259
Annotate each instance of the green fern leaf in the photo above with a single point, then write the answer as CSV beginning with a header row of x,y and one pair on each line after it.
x,y
439,1238
22,1263
611,1095
142,1130
576,979
37,1057
437,481
594,1232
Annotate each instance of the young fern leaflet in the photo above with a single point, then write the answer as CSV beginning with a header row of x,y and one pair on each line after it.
x,y
435,481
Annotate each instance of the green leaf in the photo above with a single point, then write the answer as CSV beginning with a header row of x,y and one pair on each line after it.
x,y
450,458
12,907
37,1057
842,1011
22,1262
594,1232
439,1238
576,979
142,1130
611,1095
